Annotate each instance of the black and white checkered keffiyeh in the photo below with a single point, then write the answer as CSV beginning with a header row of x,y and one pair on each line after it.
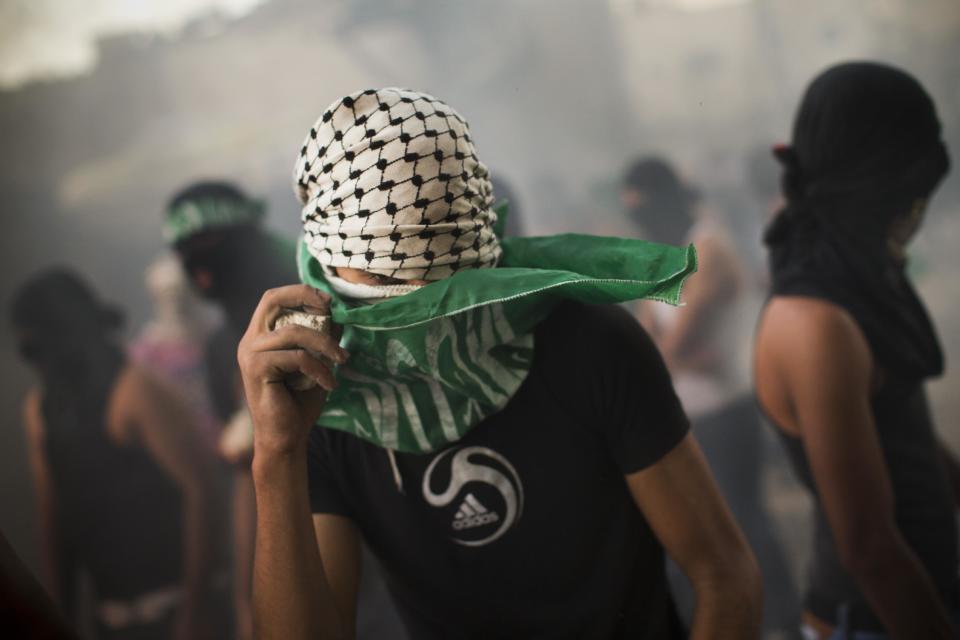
x,y
391,184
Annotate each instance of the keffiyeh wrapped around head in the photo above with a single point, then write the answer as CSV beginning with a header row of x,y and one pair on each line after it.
x,y
391,184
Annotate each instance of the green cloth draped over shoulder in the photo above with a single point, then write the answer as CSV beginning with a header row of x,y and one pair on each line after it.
x,y
428,366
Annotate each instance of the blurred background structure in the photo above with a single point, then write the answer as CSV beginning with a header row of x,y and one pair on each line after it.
x,y
107,107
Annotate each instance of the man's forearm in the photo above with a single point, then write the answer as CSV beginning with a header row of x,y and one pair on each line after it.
x,y
291,596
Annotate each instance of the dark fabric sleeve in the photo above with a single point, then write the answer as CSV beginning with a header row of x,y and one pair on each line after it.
x,y
325,493
630,396
641,415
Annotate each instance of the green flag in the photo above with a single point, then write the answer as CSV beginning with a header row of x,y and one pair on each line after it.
x,y
428,366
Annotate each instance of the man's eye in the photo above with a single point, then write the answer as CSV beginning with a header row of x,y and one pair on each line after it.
x,y
384,280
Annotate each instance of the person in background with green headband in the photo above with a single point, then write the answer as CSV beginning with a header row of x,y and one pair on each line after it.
x,y
507,443
216,231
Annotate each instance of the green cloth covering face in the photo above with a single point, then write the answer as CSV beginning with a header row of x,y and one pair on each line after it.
x,y
428,366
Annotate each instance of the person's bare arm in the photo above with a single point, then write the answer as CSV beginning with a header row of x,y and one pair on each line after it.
x,y
293,588
678,497
162,422
52,577
294,593
716,281
825,363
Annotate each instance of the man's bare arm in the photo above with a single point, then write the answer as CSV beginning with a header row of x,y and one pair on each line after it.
x,y
292,593
680,500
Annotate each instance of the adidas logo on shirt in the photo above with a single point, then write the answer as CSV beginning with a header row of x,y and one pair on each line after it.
x,y
473,514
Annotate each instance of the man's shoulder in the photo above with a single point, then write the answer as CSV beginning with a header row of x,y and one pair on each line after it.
x,y
587,353
592,329
569,315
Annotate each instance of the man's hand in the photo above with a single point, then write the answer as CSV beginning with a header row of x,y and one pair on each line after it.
x,y
282,417
292,598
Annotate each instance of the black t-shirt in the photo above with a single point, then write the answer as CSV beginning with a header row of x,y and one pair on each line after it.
x,y
525,528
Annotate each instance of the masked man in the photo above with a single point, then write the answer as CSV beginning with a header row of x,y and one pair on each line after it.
x,y
515,457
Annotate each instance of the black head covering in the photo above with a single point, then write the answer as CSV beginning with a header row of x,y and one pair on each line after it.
x,y
666,212
69,335
56,307
866,146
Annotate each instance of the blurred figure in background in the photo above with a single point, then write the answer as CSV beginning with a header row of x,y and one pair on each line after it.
x,y
843,349
232,260
703,344
216,230
124,486
172,344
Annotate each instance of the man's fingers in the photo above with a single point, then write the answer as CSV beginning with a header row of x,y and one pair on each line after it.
x,y
295,296
297,337
313,368
274,367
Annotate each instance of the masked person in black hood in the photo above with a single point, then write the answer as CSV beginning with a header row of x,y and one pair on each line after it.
x,y
844,347
123,483
658,201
